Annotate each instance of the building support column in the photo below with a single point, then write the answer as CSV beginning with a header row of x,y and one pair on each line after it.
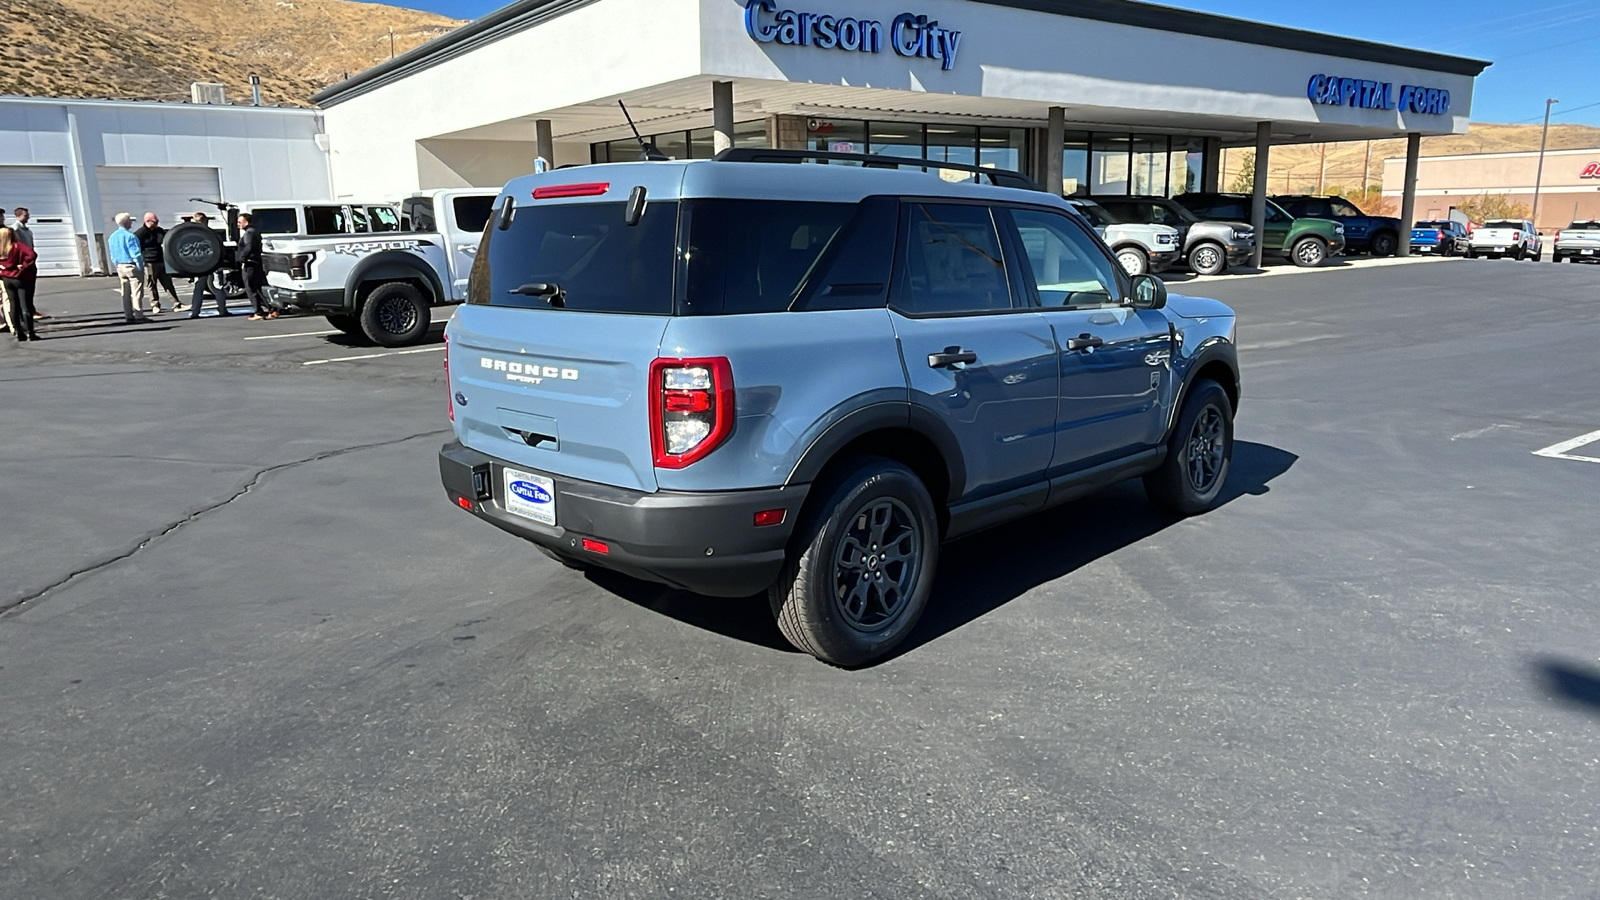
x,y
1054,144
1258,198
721,116
786,132
1408,202
1211,166
545,141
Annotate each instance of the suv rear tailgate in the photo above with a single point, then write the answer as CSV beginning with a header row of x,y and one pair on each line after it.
x,y
561,393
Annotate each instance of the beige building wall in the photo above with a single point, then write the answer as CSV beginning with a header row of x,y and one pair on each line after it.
x,y
1569,189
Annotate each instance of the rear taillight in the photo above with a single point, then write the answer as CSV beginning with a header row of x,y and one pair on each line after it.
x,y
691,409
449,395
1438,236
1516,235
300,266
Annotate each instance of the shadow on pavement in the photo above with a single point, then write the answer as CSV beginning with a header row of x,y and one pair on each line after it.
x,y
435,335
983,572
1569,683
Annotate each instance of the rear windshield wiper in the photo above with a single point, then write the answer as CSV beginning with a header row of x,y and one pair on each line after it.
x,y
548,290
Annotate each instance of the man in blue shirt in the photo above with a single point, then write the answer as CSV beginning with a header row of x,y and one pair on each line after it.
x,y
123,245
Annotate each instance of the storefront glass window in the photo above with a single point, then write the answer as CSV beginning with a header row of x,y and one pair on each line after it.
x,y
674,144
1075,164
895,139
1001,148
1148,177
837,135
702,143
750,134
954,144
1108,165
1188,164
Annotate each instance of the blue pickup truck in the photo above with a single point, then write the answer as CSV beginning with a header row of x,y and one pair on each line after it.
x,y
1377,235
1440,237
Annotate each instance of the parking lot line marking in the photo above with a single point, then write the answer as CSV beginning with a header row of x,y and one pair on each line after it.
x,y
273,337
1559,451
320,362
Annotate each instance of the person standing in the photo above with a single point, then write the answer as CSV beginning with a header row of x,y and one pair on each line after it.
x,y
156,277
123,247
248,255
15,259
30,281
201,289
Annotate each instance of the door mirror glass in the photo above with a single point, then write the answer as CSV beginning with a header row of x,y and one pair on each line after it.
x,y
1149,292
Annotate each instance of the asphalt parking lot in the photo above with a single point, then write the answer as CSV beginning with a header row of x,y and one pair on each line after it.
x,y
252,651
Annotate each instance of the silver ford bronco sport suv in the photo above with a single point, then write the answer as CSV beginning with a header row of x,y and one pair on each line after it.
x,y
735,377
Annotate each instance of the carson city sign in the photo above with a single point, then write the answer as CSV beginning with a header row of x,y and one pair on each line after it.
x,y
910,35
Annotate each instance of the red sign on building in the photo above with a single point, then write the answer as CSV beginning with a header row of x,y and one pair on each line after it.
x,y
1592,170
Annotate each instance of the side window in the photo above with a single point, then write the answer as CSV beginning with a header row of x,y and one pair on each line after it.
x,y
1232,210
1160,215
358,220
1309,209
1069,271
950,262
383,218
420,212
275,220
472,213
324,220
750,256
1341,208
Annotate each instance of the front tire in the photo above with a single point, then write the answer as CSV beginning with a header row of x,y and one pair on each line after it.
x,y
1133,261
1199,454
1309,252
1384,244
1208,259
861,569
395,314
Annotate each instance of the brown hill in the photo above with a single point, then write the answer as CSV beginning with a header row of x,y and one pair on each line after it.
x,y
1295,168
83,48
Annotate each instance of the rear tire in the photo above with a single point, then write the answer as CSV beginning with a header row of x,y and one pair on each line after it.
x,y
348,324
395,314
1199,454
1133,261
1208,259
1383,244
861,568
1309,252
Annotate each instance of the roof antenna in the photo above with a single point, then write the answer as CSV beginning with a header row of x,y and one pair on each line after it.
x,y
648,149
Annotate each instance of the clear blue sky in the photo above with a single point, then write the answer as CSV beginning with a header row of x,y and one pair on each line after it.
x,y
1540,49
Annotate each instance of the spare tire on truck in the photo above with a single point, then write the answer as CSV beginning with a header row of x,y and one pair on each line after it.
x,y
192,249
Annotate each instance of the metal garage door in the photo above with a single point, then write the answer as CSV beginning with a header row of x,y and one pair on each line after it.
x,y
163,190
43,190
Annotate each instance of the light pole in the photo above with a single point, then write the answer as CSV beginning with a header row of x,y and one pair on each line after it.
x,y
1538,178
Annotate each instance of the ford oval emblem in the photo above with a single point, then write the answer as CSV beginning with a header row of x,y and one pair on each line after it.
x,y
530,492
461,398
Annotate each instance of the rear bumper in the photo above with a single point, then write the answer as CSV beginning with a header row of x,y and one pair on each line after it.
x,y
283,298
702,542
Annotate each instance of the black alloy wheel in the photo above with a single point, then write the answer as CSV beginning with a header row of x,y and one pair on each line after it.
x,y
876,565
395,314
1206,451
1191,476
1384,244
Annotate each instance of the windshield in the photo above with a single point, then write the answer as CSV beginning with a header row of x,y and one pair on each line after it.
x,y
1502,223
1275,213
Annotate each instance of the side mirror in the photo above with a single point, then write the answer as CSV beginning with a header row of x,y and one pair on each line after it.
x,y
1149,292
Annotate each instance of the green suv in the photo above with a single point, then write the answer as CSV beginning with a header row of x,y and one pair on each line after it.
x,y
1305,242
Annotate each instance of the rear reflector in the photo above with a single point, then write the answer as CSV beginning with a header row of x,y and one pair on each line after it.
x,y
464,503
557,191
594,546
768,517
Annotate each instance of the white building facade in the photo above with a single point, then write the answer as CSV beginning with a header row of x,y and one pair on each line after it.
x,y
76,163
1099,96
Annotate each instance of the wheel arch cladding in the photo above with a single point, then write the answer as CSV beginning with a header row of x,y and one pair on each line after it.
x,y
388,266
1219,366
885,430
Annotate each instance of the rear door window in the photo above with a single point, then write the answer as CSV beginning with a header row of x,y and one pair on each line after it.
x,y
751,256
588,252
950,262
358,220
325,220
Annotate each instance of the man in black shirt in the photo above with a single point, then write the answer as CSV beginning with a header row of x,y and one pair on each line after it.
x,y
248,255
155,270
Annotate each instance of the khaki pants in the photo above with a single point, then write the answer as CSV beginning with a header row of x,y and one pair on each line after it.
x,y
132,278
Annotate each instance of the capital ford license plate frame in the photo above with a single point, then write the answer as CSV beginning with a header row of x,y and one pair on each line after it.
x,y
529,495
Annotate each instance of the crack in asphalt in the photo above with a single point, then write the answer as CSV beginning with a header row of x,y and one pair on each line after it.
x,y
32,600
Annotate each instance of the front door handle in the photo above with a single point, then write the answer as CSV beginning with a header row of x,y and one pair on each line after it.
x,y
1084,342
950,357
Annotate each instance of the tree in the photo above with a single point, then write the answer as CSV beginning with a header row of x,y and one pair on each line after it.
x,y
1245,181
1484,207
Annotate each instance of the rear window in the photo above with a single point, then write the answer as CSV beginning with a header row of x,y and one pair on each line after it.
x,y
275,220
1584,226
598,261
1431,225
472,213
1502,223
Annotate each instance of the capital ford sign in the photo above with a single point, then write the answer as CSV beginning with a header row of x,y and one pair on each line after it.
x,y
1331,90
909,35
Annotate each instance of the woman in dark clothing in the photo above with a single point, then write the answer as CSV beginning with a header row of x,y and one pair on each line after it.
x,y
16,262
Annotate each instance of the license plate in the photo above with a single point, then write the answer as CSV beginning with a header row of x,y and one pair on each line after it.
x,y
531,496
1588,253
1426,249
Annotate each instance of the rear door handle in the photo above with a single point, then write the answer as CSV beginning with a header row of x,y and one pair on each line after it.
x,y
1084,342
950,357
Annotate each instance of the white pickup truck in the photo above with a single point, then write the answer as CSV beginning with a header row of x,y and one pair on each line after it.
x,y
384,285
1516,238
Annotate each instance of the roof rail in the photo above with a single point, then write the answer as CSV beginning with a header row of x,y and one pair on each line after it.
x,y
997,177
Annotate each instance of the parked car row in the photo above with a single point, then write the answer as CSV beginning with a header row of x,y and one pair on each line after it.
x,y
1213,230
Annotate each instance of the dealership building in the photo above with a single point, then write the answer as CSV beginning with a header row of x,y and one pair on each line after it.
x,y
1568,183
1097,96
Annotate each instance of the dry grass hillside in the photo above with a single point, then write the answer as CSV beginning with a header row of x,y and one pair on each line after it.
x,y
88,48
1298,165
